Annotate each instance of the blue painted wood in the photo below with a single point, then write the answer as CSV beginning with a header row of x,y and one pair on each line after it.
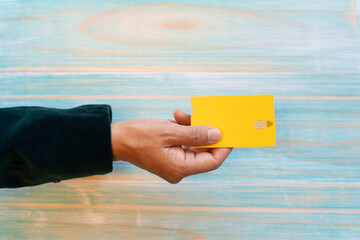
x,y
279,35
305,53
314,167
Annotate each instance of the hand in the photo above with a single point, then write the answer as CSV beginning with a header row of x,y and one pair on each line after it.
x,y
162,146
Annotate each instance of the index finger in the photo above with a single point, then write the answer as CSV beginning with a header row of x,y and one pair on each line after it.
x,y
182,118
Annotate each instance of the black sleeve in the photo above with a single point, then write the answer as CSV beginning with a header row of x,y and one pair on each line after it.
x,y
39,145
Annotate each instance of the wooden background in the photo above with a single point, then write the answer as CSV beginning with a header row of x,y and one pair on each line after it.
x,y
146,58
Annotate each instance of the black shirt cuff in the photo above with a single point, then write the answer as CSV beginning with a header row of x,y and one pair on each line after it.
x,y
40,145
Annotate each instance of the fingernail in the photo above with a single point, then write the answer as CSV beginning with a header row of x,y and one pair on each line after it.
x,y
214,135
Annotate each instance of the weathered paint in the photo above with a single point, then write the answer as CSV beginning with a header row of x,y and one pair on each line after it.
x,y
263,36
305,53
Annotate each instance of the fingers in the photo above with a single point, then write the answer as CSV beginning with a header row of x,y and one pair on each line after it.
x,y
194,135
202,159
207,161
188,162
182,118
196,150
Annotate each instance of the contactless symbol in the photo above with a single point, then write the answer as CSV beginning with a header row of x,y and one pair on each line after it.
x,y
269,123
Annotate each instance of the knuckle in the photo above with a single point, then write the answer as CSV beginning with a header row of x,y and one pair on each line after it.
x,y
216,164
167,135
174,177
195,137
173,181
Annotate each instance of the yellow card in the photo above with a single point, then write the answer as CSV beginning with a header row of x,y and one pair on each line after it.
x,y
244,121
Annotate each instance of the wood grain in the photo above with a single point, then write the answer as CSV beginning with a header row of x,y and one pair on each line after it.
x,y
264,36
146,59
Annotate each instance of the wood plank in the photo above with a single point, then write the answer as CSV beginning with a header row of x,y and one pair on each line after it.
x,y
264,36
135,208
179,84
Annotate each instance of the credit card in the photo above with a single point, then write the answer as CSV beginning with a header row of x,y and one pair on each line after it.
x,y
244,120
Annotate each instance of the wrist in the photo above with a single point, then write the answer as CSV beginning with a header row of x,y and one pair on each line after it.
x,y
115,141
120,141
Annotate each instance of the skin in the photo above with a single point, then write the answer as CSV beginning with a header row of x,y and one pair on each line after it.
x,y
162,146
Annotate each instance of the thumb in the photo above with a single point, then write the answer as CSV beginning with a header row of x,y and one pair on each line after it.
x,y
195,135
